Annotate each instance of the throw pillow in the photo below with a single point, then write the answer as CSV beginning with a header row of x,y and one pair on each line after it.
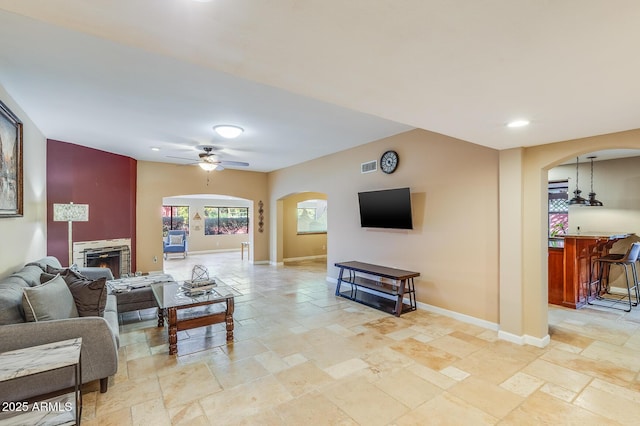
x,y
90,296
175,240
64,271
49,301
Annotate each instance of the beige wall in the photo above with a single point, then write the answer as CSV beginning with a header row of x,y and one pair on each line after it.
x,y
454,190
537,161
25,238
197,240
304,245
511,218
159,180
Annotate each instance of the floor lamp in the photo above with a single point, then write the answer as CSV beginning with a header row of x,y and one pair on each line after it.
x,y
70,213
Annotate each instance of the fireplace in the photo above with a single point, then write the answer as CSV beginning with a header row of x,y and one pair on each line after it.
x,y
112,254
109,257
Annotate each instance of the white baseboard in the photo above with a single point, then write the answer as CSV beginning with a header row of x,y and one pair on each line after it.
x,y
502,335
460,317
524,339
261,262
510,337
276,263
212,251
297,259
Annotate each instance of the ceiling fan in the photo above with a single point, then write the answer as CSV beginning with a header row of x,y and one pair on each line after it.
x,y
209,160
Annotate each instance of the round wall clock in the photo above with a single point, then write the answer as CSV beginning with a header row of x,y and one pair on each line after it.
x,y
389,161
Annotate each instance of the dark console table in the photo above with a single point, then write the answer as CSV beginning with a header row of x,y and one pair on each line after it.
x,y
386,295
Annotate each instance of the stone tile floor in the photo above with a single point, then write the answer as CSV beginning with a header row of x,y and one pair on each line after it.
x,y
303,357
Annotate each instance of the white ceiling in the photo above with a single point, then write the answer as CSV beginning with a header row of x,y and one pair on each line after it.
x,y
308,78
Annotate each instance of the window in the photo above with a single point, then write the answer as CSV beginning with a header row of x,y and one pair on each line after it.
x,y
558,208
226,220
175,217
312,217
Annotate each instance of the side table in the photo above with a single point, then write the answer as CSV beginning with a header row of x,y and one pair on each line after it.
x,y
64,409
244,244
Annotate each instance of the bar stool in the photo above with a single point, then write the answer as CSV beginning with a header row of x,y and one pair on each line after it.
x,y
598,250
605,262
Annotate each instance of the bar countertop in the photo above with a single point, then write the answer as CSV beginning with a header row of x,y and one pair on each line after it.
x,y
570,260
600,234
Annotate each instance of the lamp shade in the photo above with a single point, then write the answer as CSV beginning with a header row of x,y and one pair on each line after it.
x,y
71,212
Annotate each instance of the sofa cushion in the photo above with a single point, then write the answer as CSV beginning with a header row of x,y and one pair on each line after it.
x,y
49,301
11,300
29,274
48,260
90,296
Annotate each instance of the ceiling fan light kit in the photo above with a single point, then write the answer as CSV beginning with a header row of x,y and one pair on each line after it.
x,y
207,166
228,131
209,160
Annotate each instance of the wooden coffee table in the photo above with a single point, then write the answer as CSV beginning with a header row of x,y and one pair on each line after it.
x,y
185,312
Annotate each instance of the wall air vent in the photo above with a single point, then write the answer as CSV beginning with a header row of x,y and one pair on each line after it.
x,y
368,167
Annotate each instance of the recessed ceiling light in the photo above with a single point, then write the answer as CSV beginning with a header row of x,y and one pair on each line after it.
x,y
518,123
228,131
155,148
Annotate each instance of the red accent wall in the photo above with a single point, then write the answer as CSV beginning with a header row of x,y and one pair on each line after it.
x,y
105,181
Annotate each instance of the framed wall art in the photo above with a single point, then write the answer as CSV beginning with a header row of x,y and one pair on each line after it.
x,y
11,185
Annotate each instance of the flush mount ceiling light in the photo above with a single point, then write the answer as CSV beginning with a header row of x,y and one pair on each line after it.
x,y
155,148
228,131
207,166
577,199
518,123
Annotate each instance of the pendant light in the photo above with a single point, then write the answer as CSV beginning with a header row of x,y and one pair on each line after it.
x,y
577,199
592,195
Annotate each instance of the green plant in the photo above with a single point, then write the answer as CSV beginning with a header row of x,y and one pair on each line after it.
x,y
558,229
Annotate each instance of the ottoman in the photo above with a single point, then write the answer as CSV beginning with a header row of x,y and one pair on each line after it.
x,y
136,299
134,293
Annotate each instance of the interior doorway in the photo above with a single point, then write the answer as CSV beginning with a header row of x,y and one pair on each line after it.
x,y
303,228
608,175
213,224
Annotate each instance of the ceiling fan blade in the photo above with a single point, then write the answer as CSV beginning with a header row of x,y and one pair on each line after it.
x,y
180,158
233,163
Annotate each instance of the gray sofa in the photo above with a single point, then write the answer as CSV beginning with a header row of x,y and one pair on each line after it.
x,y
100,336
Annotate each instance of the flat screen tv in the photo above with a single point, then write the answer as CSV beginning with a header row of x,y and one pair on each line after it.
x,y
389,208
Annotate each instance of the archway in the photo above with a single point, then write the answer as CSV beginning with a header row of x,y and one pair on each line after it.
x,y
301,232
215,222
523,230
